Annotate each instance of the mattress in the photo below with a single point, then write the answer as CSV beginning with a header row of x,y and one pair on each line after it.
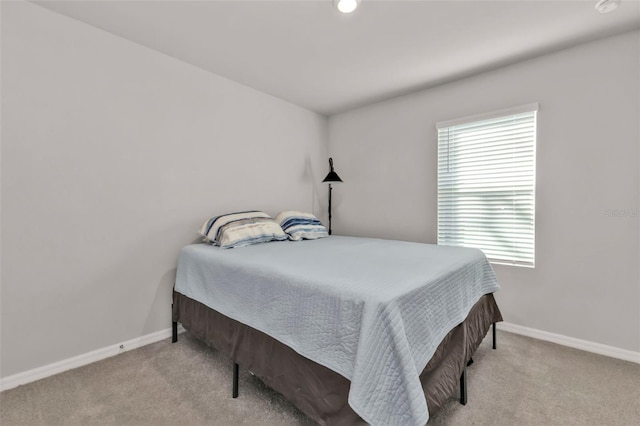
x,y
374,311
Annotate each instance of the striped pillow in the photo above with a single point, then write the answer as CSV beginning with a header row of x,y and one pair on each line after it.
x,y
301,226
241,229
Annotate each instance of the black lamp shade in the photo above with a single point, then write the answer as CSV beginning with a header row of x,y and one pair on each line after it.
x,y
332,176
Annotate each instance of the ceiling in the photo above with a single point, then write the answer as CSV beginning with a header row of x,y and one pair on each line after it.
x,y
308,53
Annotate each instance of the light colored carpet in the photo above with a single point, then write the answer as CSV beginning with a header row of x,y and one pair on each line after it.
x,y
524,382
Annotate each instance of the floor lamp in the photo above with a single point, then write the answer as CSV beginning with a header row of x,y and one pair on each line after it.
x,y
332,177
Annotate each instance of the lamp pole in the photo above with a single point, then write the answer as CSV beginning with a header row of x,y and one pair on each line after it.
x,y
330,209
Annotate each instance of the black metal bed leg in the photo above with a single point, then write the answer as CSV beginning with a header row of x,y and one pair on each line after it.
x,y
174,331
494,335
463,387
236,368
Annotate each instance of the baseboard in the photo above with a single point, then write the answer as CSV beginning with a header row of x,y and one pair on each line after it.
x,y
15,380
29,376
585,345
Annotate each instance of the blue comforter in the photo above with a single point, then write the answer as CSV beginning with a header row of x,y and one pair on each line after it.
x,y
371,310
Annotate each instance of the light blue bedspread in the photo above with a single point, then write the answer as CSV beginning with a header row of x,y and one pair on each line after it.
x,y
372,310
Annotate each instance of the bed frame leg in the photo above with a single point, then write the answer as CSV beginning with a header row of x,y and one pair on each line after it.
x,y
494,334
236,368
174,331
463,387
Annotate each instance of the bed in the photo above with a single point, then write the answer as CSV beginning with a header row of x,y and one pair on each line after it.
x,y
350,330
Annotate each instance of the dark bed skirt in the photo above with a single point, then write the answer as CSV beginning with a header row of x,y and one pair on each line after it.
x,y
317,391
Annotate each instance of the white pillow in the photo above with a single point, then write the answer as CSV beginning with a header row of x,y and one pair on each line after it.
x,y
241,229
301,225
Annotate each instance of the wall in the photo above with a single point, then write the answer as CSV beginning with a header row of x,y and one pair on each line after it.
x,y
112,157
586,282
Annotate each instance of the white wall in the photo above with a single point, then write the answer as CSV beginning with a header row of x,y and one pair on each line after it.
x,y
586,281
112,156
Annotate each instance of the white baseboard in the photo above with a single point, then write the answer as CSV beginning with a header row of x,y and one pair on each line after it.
x,y
585,345
15,380
25,377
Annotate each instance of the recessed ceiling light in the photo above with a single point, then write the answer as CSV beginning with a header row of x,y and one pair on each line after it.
x,y
346,6
606,6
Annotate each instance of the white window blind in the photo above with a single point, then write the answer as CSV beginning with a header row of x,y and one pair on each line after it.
x,y
486,184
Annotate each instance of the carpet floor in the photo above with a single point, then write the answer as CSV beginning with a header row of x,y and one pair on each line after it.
x,y
524,382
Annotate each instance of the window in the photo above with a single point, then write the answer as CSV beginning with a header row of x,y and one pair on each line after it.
x,y
486,184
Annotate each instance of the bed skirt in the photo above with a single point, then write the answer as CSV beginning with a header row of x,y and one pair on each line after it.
x,y
315,390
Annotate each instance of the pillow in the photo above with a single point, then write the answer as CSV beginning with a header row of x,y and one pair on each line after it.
x,y
241,229
300,225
